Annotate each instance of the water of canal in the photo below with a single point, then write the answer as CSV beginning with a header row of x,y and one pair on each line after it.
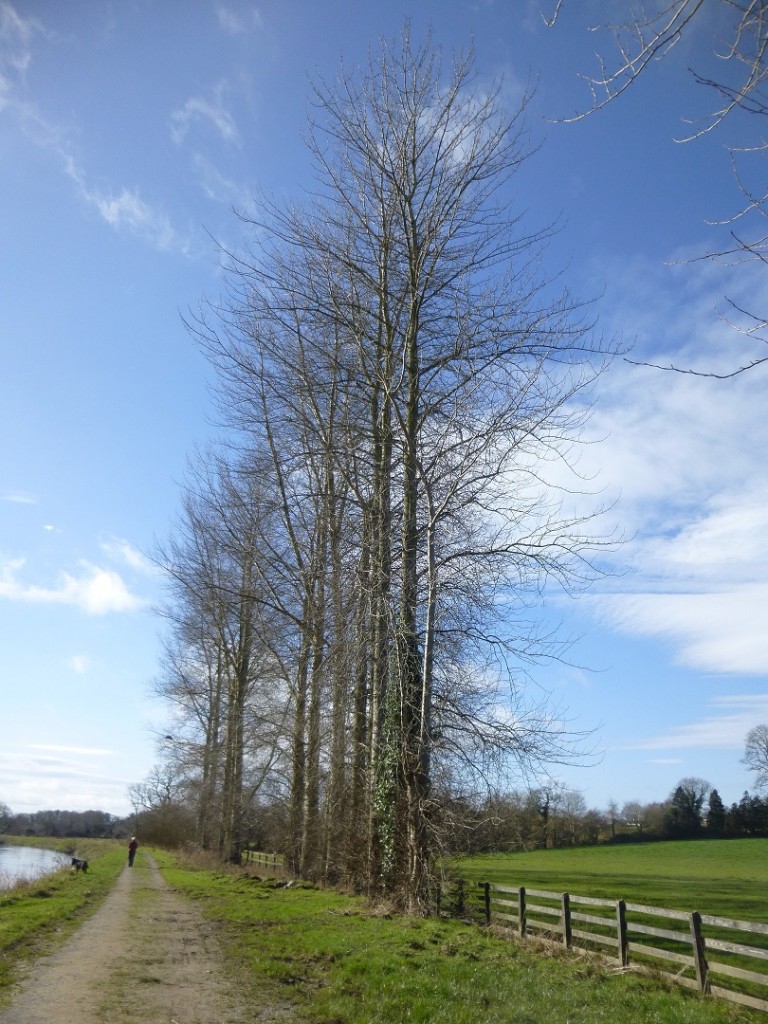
x,y
26,863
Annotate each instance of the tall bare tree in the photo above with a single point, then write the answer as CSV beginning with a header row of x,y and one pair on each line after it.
x,y
393,353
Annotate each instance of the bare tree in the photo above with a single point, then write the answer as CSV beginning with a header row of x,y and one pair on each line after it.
x,y
634,815
393,354
738,30
756,754
192,682
221,672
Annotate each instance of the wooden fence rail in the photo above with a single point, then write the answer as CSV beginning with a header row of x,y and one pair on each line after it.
x,y
650,938
269,861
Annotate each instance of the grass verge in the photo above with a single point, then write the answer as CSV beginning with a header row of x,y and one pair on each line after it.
x,y
38,916
331,959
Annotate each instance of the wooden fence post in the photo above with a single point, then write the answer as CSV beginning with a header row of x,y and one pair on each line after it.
x,y
487,900
566,905
621,929
460,898
521,912
699,954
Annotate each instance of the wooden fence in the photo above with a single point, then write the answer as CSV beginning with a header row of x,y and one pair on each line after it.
x,y
671,943
267,861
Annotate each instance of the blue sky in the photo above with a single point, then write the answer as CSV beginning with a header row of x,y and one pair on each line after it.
x,y
128,132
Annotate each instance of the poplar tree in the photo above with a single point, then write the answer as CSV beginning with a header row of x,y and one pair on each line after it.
x,y
391,350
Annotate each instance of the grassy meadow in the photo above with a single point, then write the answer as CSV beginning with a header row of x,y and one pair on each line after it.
x,y
726,877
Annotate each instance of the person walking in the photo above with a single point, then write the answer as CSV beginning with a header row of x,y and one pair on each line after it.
x,y
132,851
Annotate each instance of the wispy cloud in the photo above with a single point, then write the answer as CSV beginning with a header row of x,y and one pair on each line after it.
x,y
219,188
49,776
16,36
211,111
120,550
80,663
122,208
128,211
125,209
80,751
96,591
720,631
19,498
239,22
686,455
725,728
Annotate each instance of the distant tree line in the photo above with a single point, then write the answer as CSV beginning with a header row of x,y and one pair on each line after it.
x,y
556,817
544,817
62,824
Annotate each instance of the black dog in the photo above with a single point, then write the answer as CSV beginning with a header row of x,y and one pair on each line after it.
x,y
79,865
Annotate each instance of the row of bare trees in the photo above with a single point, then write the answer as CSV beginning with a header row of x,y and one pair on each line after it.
x,y
351,580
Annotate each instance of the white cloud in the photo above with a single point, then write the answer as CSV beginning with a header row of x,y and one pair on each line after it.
x,y
716,632
128,211
16,35
724,539
213,111
80,751
123,209
218,188
120,550
99,591
79,663
76,779
19,498
239,22
734,715
17,38
96,591
687,456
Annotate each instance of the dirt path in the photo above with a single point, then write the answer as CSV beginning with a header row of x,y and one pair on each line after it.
x,y
146,956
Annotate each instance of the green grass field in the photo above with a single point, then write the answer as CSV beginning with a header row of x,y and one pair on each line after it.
x,y
727,877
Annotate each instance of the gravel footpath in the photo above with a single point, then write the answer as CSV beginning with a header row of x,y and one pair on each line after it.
x,y
146,955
